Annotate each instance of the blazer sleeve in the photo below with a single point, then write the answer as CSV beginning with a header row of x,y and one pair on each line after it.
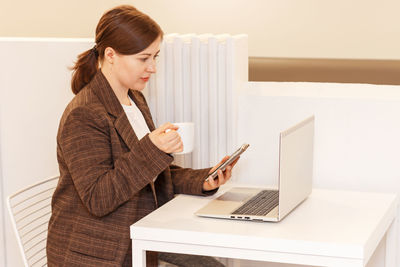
x,y
190,181
104,183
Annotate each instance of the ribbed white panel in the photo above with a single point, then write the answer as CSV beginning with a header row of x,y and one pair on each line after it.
x,y
177,83
177,78
169,77
187,91
186,78
204,101
198,79
213,100
195,88
230,96
221,91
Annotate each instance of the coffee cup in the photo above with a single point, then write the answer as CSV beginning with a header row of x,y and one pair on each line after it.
x,y
186,132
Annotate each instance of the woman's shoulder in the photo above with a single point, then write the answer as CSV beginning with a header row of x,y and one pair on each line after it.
x,y
84,105
86,100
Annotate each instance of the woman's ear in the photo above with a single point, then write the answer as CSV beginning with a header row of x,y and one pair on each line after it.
x,y
109,55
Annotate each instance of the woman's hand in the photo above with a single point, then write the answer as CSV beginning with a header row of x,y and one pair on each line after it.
x,y
223,177
167,141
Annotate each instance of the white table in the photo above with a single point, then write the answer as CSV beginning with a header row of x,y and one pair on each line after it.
x,y
331,228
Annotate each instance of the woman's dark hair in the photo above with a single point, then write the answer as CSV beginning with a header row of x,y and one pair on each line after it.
x,y
123,28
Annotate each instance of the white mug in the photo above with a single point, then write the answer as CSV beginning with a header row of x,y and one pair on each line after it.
x,y
186,132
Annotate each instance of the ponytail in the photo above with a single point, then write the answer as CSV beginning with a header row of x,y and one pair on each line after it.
x,y
84,70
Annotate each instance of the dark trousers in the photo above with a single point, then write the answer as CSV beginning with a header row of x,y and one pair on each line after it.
x,y
183,260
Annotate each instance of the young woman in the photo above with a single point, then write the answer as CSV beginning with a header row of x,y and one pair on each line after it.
x,y
115,166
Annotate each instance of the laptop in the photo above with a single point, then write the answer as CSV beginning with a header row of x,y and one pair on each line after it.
x,y
296,147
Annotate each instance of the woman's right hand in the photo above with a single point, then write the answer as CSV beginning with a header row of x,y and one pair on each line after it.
x,y
167,141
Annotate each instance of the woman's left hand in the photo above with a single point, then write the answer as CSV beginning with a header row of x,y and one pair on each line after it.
x,y
223,176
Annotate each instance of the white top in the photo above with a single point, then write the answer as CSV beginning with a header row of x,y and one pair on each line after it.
x,y
136,119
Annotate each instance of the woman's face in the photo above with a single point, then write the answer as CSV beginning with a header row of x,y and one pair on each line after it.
x,y
134,71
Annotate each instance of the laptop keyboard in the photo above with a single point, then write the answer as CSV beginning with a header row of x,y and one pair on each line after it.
x,y
261,204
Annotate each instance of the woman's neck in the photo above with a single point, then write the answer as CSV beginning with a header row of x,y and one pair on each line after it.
x,y
119,91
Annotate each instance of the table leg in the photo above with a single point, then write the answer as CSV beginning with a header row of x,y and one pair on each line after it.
x,y
138,255
391,245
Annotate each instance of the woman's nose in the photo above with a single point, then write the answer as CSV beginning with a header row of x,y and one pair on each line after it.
x,y
152,67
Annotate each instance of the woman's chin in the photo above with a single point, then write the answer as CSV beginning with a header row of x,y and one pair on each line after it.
x,y
139,88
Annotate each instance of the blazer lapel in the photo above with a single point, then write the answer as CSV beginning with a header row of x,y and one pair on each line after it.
x,y
103,90
100,86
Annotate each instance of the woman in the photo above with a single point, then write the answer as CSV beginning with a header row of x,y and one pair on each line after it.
x,y
115,170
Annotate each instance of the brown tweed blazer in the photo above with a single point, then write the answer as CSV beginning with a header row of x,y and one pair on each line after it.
x,y
106,180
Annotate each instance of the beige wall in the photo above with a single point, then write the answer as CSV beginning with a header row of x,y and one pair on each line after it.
x,y
283,28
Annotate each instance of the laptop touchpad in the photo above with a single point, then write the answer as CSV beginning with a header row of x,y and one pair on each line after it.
x,y
235,196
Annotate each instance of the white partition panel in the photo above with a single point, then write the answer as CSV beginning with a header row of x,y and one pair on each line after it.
x,y
357,130
34,90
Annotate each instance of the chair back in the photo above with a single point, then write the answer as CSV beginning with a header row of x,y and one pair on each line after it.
x,y
30,211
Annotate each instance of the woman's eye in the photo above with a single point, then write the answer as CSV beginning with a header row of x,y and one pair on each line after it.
x,y
144,59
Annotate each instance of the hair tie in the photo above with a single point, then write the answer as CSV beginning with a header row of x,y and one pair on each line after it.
x,y
94,50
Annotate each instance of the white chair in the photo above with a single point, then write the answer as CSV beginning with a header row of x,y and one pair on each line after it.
x,y
30,211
